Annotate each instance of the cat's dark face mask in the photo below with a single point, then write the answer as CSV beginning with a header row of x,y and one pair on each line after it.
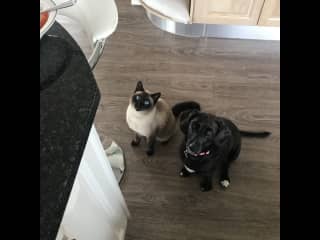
x,y
142,100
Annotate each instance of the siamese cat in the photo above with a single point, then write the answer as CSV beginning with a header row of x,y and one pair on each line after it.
x,y
150,117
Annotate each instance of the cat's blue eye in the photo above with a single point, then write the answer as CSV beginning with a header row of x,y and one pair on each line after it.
x,y
138,97
146,102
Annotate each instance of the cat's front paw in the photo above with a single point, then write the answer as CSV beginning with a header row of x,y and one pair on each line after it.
x,y
150,152
135,143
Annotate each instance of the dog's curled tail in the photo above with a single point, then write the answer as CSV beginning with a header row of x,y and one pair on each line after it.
x,y
263,134
183,106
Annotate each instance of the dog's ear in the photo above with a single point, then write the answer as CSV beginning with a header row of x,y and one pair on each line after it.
x,y
223,134
185,118
139,87
155,97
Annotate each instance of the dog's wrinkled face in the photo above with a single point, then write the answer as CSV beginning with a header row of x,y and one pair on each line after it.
x,y
201,133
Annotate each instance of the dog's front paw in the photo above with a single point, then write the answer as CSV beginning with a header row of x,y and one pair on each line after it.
x,y
225,183
205,186
184,173
150,152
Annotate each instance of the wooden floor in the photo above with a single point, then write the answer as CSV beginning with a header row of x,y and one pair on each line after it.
x,y
238,79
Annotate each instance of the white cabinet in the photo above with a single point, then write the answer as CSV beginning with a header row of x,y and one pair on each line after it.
x,y
236,12
270,15
242,12
96,209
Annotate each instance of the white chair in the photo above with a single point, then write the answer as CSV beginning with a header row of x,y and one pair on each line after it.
x,y
96,209
174,10
92,22
97,18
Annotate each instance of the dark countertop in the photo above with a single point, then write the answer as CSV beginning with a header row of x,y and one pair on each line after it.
x,y
69,98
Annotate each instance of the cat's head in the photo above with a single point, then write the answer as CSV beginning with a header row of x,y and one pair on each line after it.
x,y
142,100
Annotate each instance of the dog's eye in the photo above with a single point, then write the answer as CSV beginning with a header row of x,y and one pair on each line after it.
x,y
208,133
195,126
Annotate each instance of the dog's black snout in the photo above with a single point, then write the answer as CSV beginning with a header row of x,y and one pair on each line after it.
x,y
191,144
192,147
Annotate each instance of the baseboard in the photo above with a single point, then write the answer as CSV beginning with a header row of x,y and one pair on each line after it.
x,y
215,30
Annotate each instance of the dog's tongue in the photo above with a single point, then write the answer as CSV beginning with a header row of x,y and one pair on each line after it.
x,y
204,153
201,154
198,154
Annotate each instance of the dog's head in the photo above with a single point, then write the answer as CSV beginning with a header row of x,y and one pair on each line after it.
x,y
203,132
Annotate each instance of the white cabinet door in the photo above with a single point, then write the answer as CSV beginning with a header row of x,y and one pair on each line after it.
x,y
234,12
270,15
96,209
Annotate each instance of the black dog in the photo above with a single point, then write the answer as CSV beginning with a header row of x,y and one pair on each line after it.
x,y
211,142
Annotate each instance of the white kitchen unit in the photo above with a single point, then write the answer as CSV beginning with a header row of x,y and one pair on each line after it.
x,y
238,19
135,2
96,209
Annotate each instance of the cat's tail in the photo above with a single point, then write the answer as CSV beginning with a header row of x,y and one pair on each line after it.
x,y
255,134
184,106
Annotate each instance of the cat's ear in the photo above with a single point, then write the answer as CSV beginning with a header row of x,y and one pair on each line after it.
x,y
185,118
139,87
155,97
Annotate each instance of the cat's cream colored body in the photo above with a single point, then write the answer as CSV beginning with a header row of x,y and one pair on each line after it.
x,y
159,121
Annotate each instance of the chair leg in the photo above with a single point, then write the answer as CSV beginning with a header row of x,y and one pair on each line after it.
x,y
97,52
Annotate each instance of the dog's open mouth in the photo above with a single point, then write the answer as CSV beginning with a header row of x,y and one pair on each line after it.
x,y
201,154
